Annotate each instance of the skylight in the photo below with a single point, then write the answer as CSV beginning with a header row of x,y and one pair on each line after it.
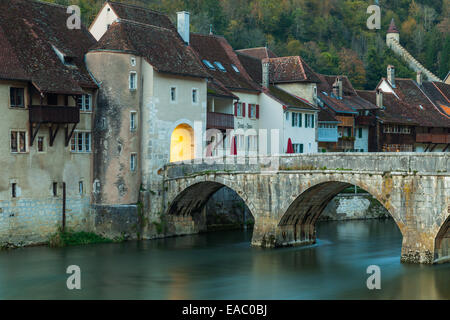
x,y
209,64
421,107
220,66
235,68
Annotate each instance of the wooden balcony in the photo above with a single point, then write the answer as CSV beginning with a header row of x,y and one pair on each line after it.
x,y
345,144
442,138
222,121
345,121
54,114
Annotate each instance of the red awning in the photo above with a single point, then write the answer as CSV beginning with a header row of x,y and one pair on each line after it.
x,y
290,148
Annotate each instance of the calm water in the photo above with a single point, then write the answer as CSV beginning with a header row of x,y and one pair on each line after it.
x,y
223,266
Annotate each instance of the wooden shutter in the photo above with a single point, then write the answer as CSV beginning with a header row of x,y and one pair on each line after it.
x,y
243,110
235,109
257,111
249,110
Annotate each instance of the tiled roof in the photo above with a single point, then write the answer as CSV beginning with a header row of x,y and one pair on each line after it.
x,y
437,92
215,88
395,111
216,48
326,84
142,15
29,30
288,99
419,104
252,65
337,105
290,69
326,116
161,47
258,53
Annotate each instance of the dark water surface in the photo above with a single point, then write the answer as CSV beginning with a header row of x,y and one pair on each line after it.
x,y
222,265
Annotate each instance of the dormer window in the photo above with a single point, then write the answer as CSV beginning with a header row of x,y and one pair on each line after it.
x,y
65,59
220,66
235,68
208,64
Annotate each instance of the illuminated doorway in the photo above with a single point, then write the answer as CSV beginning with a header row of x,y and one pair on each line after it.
x,y
182,143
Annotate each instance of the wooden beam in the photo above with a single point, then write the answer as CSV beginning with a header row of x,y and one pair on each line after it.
x,y
446,147
432,148
34,133
53,134
69,135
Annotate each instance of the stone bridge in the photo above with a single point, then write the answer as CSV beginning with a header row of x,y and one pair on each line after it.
x,y
287,199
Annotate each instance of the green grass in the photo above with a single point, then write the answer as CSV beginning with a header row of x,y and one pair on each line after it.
x,y
72,238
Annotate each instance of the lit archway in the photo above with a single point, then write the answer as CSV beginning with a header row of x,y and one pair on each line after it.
x,y
182,143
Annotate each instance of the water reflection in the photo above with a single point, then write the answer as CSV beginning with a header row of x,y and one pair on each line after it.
x,y
222,265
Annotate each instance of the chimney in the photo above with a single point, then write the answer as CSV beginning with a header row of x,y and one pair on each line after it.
x,y
337,88
379,98
391,75
265,72
419,78
183,25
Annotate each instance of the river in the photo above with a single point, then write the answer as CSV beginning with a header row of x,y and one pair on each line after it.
x,y
222,265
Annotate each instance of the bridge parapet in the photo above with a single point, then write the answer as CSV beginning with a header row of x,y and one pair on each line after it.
x,y
422,163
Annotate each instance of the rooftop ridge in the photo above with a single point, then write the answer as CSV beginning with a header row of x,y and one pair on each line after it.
x,y
137,7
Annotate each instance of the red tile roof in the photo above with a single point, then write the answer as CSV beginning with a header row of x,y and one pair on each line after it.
x,y
162,48
290,69
252,65
437,92
258,53
326,116
27,48
392,27
215,88
326,84
216,48
420,105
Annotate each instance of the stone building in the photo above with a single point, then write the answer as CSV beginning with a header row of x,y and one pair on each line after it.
x,y
47,99
151,107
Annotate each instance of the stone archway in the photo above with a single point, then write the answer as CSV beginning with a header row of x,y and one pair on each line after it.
x,y
182,143
442,242
297,225
186,212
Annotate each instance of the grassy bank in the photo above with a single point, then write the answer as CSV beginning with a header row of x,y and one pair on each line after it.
x,y
72,238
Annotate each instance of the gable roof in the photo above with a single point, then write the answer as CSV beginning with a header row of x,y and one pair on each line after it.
x,y
392,27
141,15
287,99
409,92
258,53
439,94
252,65
394,110
162,48
290,69
27,50
215,88
216,48
327,81
326,116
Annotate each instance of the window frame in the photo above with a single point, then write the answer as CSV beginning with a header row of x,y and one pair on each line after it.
x,y
15,106
75,143
133,162
83,107
173,98
196,101
133,121
43,144
17,131
132,73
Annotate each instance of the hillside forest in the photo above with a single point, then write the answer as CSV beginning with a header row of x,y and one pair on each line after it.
x,y
331,35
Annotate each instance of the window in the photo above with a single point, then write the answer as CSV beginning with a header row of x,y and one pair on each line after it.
x,y
133,80
133,162
81,187
133,120
17,97
14,190
360,133
296,119
40,144
208,64
220,66
18,142
298,147
133,61
52,99
194,96
235,68
252,142
55,189
173,94
84,102
287,116
81,142
108,25
239,109
312,121
252,111
349,132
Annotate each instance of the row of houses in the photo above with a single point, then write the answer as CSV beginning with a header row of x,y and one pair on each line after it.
x,y
92,115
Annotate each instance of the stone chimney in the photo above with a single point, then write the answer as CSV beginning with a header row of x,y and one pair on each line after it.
x,y
379,98
183,25
419,77
265,72
391,75
337,88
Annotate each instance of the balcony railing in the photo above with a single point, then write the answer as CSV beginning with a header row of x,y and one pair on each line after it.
x,y
216,120
433,138
54,114
345,144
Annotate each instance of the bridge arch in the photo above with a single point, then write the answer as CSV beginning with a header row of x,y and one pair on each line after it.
x,y
186,204
442,240
296,224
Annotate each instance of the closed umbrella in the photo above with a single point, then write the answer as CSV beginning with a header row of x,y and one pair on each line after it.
x,y
233,147
290,148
